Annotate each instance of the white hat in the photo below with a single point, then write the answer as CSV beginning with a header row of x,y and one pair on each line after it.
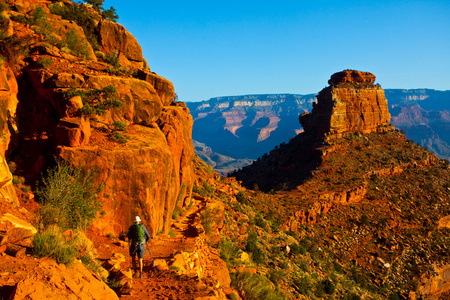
x,y
137,219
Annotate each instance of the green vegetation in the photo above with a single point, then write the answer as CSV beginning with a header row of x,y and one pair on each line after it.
x,y
207,219
255,287
78,46
45,62
52,243
109,14
80,15
119,138
68,197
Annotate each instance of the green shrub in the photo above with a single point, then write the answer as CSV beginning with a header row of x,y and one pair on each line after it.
x,y
96,101
253,248
81,16
51,243
325,286
38,17
259,221
303,284
119,126
78,46
171,233
240,197
276,275
68,197
351,296
45,62
119,138
109,14
112,59
114,284
228,251
207,219
255,287
208,189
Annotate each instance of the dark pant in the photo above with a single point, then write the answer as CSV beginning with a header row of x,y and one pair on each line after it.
x,y
138,249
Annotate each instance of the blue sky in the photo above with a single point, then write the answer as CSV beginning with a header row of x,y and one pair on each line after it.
x,y
224,48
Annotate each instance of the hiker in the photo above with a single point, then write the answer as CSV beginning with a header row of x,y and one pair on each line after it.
x,y
138,236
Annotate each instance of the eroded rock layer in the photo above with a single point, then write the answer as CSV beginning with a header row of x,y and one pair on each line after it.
x,y
96,104
352,103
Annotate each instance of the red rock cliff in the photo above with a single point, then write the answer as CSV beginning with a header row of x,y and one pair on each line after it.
x,y
147,175
352,103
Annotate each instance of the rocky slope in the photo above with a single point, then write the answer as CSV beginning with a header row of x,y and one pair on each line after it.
x,y
421,113
368,207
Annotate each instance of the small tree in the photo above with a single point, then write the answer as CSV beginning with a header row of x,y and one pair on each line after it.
x,y
69,197
109,14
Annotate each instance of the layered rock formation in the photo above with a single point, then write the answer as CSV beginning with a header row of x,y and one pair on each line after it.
x,y
246,127
352,103
147,169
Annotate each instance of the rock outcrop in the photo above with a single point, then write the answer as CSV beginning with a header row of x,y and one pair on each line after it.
x,y
147,169
352,103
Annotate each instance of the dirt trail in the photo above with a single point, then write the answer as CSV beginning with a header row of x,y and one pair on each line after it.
x,y
163,284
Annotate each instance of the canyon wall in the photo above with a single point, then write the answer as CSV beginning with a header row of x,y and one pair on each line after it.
x,y
99,108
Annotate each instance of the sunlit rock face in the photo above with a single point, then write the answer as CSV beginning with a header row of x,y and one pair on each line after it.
x,y
352,103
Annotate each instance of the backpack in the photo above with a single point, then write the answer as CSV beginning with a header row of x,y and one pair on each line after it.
x,y
139,236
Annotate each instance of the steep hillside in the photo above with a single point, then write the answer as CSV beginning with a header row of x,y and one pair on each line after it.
x,y
423,115
367,208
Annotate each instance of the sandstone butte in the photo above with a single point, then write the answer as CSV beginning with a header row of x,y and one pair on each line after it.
x,y
352,103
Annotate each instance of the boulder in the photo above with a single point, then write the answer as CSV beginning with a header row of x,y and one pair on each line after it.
x,y
114,37
139,178
141,103
63,283
163,87
10,223
73,131
64,27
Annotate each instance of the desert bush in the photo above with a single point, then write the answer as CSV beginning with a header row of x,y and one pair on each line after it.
x,y
303,284
208,189
112,59
81,16
114,284
276,275
119,138
325,286
51,243
68,197
240,197
259,221
78,46
255,287
45,62
96,101
253,248
109,14
228,251
207,219
119,126
39,17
